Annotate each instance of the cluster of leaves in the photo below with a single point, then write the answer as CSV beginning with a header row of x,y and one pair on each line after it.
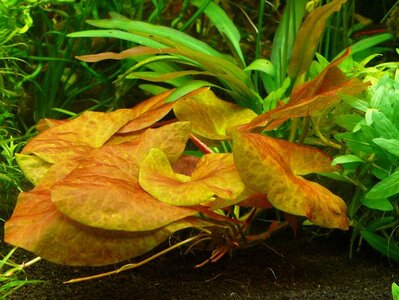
x,y
115,185
113,188
371,161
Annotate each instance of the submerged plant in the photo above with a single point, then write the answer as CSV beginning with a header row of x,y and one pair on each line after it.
x,y
114,188
113,185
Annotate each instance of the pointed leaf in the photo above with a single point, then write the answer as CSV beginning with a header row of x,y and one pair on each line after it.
x,y
148,112
385,188
309,36
313,96
211,117
215,174
390,145
265,170
132,52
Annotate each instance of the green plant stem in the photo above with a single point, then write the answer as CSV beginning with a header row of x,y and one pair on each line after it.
x,y
324,140
259,39
22,266
135,265
195,16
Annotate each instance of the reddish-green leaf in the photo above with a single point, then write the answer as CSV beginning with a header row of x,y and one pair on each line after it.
x,y
264,168
309,36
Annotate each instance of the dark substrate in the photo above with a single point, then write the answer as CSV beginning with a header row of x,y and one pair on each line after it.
x,y
283,268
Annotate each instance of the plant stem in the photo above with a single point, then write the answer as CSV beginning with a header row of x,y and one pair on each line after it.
x,y
135,265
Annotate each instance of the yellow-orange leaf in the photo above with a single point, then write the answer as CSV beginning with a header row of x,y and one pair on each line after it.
x,y
264,169
211,117
215,174
33,167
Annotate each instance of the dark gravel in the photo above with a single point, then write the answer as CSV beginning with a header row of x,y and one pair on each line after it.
x,y
283,268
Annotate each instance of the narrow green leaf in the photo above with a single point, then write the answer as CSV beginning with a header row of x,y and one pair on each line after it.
x,y
385,188
285,36
390,145
369,42
118,34
152,31
381,244
224,24
187,88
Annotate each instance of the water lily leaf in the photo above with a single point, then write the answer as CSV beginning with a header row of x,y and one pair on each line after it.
x,y
104,191
61,240
185,164
313,96
215,174
77,137
148,112
268,171
45,124
211,117
33,167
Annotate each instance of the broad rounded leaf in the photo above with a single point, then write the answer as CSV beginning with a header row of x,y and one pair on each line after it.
x,y
215,174
159,180
211,117
76,138
36,225
104,191
264,169
33,167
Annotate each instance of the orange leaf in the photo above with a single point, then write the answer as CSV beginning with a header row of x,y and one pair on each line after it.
x,y
104,191
265,169
148,112
311,97
37,226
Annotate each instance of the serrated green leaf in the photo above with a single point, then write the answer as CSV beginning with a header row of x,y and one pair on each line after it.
x,y
385,188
